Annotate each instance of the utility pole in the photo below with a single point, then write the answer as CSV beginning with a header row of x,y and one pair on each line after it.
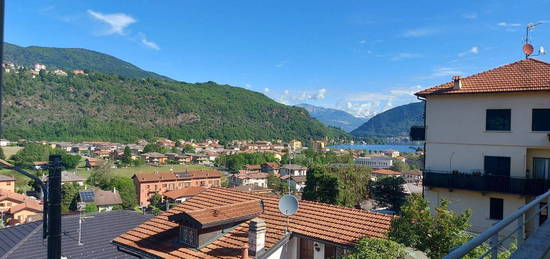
x,y
54,208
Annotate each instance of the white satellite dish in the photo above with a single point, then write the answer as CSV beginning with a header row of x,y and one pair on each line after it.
x,y
288,205
542,51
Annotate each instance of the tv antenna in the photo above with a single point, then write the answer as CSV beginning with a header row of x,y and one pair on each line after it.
x,y
527,47
288,206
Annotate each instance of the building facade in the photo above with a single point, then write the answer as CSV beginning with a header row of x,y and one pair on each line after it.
x,y
148,184
374,161
487,140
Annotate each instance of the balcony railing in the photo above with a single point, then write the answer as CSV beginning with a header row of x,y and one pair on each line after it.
x,y
486,183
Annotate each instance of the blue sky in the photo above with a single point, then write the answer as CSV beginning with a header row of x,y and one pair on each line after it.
x,y
360,56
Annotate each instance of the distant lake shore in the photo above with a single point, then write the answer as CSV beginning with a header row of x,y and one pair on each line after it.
x,y
400,148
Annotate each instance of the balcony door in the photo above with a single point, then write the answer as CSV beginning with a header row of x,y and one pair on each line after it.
x,y
541,168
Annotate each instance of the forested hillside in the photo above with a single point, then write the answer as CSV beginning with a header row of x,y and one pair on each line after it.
x,y
74,58
395,122
114,108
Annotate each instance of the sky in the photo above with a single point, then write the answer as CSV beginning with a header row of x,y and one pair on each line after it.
x,y
363,57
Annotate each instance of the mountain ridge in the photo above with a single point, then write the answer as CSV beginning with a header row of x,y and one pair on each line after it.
x,y
395,122
74,58
334,117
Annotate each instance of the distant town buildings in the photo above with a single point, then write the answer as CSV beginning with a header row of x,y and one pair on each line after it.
x,y
293,170
244,177
374,161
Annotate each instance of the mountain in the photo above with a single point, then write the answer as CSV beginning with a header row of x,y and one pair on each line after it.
x,y
334,117
110,107
74,58
394,122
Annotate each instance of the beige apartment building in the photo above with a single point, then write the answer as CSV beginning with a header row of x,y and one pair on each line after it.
x,y
487,141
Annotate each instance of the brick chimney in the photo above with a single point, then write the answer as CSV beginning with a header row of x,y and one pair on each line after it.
x,y
457,83
256,236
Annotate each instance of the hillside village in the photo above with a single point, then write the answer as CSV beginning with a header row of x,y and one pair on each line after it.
x,y
101,159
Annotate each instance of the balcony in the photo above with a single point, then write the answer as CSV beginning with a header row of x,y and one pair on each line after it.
x,y
486,183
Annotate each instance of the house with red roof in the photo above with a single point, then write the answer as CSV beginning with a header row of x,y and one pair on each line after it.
x,y
227,223
487,141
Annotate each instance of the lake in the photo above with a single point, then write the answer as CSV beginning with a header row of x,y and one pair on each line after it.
x,y
400,148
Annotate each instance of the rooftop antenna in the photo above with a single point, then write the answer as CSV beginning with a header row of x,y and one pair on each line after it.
x,y
81,207
527,47
288,206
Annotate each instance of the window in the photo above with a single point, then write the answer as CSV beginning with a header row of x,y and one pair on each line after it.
x,y
541,120
541,168
497,165
497,208
498,119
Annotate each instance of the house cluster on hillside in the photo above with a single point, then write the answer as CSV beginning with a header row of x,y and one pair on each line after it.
x,y
257,176
17,208
10,67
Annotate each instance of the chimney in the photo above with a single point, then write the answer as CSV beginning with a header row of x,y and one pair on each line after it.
x,y
244,254
256,236
457,83
114,189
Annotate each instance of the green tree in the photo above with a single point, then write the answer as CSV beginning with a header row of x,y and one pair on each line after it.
x,y
155,199
70,161
2,155
70,194
188,149
434,234
154,147
353,183
321,186
377,248
90,207
127,156
388,192
30,153
125,187
399,166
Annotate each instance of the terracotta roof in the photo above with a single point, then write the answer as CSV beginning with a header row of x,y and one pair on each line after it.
x,y
521,76
27,205
215,215
185,192
340,225
243,174
252,167
272,165
299,179
102,198
173,176
9,195
386,172
293,167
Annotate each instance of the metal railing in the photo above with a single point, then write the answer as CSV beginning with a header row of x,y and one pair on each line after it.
x,y
491,234
486,182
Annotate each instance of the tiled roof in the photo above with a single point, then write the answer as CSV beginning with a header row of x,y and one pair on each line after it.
x,y
272,165
252,167
340,225
98,229
29,205
299,179
386,172
521,76
106,198
9,195
172,176
243,174
293,167
4,178
185,192
213,215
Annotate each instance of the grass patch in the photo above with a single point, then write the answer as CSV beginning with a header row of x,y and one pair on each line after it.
x,y
11,150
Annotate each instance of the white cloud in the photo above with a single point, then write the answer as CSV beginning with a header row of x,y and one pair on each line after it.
x,y
442,72
147,43
505,24
247,86
470,16
281,64
266,90
368,104
362,42
419,32
295,97
401,56
117,22
473,50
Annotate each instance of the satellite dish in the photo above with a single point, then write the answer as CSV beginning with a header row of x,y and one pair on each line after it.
x,y
542,51
288,205
528,49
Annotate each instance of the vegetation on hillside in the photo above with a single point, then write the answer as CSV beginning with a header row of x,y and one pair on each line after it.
x,y
114,108
395,122
74,58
